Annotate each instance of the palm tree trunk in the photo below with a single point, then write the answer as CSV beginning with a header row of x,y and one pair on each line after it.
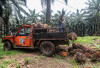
x,y
97,22
98,30
1,33
7,29
48,12
4,30
6,26
1,11
97,26
1,30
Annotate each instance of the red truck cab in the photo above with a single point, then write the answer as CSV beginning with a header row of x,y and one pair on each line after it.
x,y
23,37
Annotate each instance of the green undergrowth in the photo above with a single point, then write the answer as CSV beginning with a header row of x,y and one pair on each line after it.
x,y
6,62
7,53
87,39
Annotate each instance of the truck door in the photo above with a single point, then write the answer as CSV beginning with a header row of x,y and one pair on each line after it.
x,y
23,37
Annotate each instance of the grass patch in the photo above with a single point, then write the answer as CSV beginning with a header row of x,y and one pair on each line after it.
x,y
8,53
73,62
95,66
87,39
5,63
42,56
57,56
58,59
98,47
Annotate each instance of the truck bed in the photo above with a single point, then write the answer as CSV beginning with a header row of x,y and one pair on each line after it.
x,y
50,36
44,34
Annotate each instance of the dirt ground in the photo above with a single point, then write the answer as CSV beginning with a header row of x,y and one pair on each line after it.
x,y
33,59
36,60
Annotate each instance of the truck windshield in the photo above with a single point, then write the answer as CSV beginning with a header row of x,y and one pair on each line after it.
x,y
24,31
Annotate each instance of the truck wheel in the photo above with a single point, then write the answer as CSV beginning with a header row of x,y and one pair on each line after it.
x,y
47,48
7,46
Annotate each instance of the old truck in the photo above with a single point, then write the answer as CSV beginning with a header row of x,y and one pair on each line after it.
x,y
46,39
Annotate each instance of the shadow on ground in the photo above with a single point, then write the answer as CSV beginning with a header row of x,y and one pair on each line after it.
x,y
35,50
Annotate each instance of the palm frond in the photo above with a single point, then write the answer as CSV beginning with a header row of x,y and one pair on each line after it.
x,y
43,3
24,1
52,1
16,5
66,1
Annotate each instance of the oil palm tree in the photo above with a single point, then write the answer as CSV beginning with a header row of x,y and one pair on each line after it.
x,y
2,2
33,16
93,13
43,16
11,7
47,4
75,23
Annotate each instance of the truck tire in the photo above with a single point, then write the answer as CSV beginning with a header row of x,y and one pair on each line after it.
x,y
7,46
47,48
